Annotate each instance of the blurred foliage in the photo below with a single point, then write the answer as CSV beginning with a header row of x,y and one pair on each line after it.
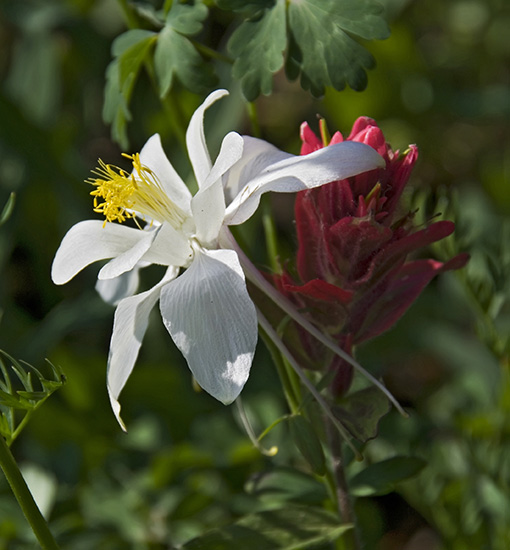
x,y
442,80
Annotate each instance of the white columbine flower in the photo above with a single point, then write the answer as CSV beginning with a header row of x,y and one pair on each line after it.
x,y
203,298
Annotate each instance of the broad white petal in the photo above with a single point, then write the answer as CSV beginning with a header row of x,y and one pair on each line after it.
x,y
257,156
170,247
331,163
195,139
208,205
127,261
212,320
88,242
129,326
112,291
153,156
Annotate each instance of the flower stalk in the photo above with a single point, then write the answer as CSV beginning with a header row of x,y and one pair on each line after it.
x,y
25,498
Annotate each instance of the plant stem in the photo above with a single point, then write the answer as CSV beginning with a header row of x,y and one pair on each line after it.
x,y
25,498
344,504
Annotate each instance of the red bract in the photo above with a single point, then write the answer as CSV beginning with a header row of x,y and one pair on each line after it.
x,y
355,278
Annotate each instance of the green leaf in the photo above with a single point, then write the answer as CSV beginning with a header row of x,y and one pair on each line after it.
x,y
322,49
291,528
176,57
245,6
186,18
381,478
257,46
361,411
308,443
13,401
129,50
286,484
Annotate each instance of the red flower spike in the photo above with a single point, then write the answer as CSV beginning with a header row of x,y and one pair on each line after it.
x,y
355,278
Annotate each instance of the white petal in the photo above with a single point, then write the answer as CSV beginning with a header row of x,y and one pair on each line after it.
x,y
88,242
112,291
129,326
208,205
212,320
257,155
170,247
195,139
127,261
331,163
153,156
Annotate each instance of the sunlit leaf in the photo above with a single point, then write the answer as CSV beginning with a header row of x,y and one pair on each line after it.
x,y
291,528
323,51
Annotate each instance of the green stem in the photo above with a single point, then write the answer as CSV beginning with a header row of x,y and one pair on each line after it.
x,y
213,54
252,114
129,15
25,498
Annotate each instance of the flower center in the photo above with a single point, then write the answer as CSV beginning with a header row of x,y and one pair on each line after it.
x,y
139,194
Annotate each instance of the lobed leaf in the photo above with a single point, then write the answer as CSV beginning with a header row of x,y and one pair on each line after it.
x,y
129,50
323,51
187,18
291,528
317,36
176,57
258,45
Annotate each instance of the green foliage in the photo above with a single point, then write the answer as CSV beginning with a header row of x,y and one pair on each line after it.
x,y
175,55
129,50
361,411
27,400
290,528
317,35
322,49
382,477
257,46
306,440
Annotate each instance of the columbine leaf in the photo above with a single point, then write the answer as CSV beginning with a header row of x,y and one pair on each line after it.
x,y
129,50
176,57
244,6
292,528
257,46
381,478
322,49
187,19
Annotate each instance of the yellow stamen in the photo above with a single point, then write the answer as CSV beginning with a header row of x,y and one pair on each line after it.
x,y
130,195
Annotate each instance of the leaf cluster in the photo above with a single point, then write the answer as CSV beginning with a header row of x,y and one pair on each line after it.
x,y
313,39
17,405
316,41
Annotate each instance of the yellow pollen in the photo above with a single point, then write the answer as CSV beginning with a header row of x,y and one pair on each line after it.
x,y
132,195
